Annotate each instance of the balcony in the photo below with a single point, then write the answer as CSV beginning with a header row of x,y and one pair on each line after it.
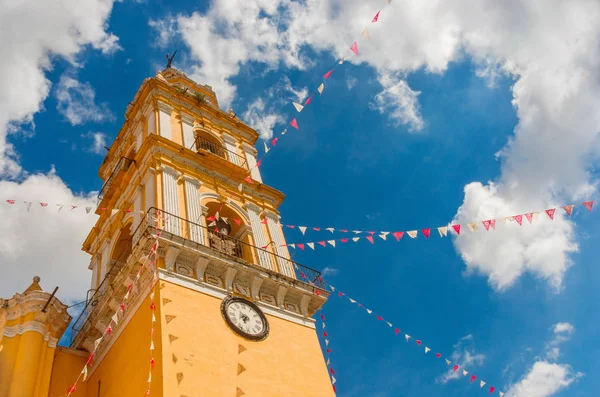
x,y
207,145
115,177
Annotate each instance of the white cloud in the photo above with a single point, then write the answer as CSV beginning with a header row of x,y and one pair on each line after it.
x,y
34,32
543,380
465,357
98,143
351,82
76,101
43,241
562,333
565,329
256,116
399,102
329,271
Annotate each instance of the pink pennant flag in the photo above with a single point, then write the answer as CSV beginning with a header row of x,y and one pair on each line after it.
x,y
301,246
438,355
325,334
344,240
321,243
317,292
398,235
418,342
487,225
294,123
211,218
456,228
529,217
318,229
492,389
259,162
354,48
550,213
568,209
370,238
376,17
588,204
238,221
397,331
44,204
274,141
455,368
340,293
308,100
379,318
519,219
249,180
72,389
473,378
10,201
328,74
322,317
331,369
426,232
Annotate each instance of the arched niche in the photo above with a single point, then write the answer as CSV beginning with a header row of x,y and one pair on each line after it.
x,y
229,231
122,246
208,141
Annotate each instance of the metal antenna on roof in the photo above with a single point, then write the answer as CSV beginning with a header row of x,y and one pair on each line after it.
x,y
170,59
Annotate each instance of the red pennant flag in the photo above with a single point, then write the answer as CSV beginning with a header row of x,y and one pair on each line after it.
x,y
455,368
370,238
473,378
550,213
291,226
90,359
586,204
318,229
418,342
354,48
238,221
519,219
274,141
258,163
331,371
294,123
211,218
492,389
10,201
334,389
398,235
301,246
379,318
344,240
397,331
308,100
44,204
321,243
317,292
344,231
568,209
249,180
493,223
152,363
328,74
487,224
108,330
122,306
324,334
264,221
529,217
371,233
438,355
322,317
376,17
152,306
456,228
73,388
426,232
340,293
302,275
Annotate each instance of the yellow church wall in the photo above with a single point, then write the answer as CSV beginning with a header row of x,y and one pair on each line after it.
x,y
202,354
66,368
8,357
124,369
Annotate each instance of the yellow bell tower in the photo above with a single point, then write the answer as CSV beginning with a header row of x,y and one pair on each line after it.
x,y
234,312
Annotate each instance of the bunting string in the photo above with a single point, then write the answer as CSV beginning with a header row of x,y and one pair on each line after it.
x,y
328,352
417,342
488,225
299,107
149,263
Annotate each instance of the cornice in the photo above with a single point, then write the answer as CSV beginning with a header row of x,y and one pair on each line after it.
x,y
31,326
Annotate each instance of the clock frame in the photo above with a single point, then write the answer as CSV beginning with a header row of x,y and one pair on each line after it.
x,y
229,300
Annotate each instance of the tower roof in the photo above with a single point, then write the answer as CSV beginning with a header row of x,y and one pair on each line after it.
x,y
35,286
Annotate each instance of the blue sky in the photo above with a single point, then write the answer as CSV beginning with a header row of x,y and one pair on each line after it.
x,y
443,96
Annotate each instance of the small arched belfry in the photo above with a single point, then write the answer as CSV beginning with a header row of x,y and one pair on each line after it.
x,y
234,311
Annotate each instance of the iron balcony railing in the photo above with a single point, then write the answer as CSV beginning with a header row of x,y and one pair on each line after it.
x,y
193,233
204,145
122,165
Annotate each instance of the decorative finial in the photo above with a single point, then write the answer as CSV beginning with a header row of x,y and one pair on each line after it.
x,y
36,279
170,59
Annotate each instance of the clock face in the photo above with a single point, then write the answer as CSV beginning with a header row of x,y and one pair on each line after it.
x,y
245,318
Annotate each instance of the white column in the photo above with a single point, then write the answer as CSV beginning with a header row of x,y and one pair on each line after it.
x,y
231,146
283,259
137,207
164,119
187,123
170,201
250,153
259,236
194,209
150,190
151,118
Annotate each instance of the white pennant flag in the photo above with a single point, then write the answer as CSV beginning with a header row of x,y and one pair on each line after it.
x,y
472,226
501,394
126,295
443,231
149,376
152,295
328,362
383,236
113,212
60,206
366,33
352,300
407,337
115,318
355,239
412,233
153,318
84,372
321,88
427,350
298,106
283,132
332,287
341,60
151,345
326,342
388,323
465,373
369,311
323,324
448,362
292,245
330,229
240,187
332,242
311,245
481,384
333,380
302,229
97,343
266,147
357,231
385,233
28,205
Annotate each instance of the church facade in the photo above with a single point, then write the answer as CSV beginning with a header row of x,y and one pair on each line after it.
x,y
231,313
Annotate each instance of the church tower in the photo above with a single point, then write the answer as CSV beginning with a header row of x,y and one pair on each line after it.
x,y
234,312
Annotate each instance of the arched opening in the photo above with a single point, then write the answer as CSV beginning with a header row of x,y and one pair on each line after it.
x,y
208,142
227,231
121,249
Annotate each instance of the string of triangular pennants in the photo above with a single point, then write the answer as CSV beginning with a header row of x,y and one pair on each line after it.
x,y
66,208
299,107
417,342
488,225
328,351
148,262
